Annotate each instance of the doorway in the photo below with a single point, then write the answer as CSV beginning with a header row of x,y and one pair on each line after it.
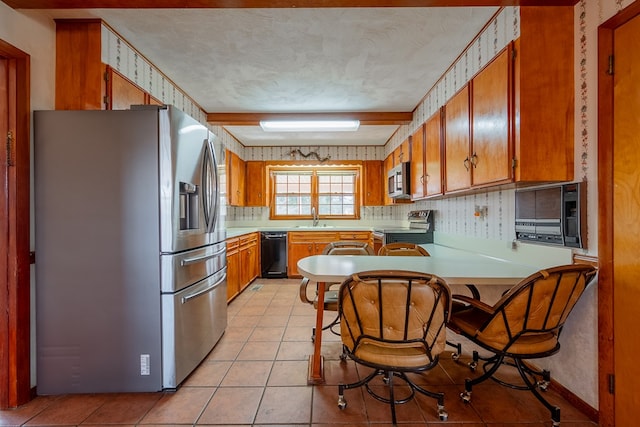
x,y
619,216
15,380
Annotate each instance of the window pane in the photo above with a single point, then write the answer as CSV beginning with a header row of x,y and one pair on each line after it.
x,y
335,193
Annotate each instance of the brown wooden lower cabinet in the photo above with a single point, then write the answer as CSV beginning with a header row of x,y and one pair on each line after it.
x,y
243,262
233,268
302,244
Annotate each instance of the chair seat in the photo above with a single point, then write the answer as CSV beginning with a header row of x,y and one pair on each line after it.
x,y
470,320
406,355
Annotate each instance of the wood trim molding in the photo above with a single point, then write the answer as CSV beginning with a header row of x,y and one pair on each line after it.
x,y
253,119
585,259
212,4
15,370
575,401
606,362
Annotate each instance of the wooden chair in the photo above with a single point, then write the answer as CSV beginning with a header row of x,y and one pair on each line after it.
x,y
402,249
524,324
342,247
393,322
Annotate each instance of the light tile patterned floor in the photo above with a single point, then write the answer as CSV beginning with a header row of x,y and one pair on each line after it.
x,y
256,376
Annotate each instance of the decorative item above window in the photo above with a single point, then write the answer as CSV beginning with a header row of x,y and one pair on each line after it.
x,y
313,154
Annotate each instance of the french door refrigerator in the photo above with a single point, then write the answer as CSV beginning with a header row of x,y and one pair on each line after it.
x,y
130,254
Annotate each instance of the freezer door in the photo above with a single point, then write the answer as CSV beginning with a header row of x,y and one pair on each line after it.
x,y
186,268
193,320
188,182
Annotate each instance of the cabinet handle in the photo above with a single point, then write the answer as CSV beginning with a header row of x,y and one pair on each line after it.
x,y
466,163
427,176
474,160
422,179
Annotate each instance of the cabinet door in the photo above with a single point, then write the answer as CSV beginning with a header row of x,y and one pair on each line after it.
x,y
433,155
256,194
233,269
491,143
387,166
401,153
457,138
417,164
235,179
372,184
295,252
122,93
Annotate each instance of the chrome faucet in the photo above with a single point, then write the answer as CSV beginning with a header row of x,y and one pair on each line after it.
x,y
316,219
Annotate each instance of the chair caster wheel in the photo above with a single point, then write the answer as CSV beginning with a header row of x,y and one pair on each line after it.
x,y
543,385
442,414
343,357
385,380
455,356
342,403
473,365
465,396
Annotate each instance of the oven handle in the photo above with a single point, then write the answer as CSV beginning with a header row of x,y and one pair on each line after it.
x,y
209,288
195,260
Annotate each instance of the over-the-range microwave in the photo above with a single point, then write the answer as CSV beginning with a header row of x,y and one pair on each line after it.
x,y
398,180
552,214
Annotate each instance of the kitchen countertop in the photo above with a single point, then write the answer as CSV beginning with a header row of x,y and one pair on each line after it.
x,y
239,231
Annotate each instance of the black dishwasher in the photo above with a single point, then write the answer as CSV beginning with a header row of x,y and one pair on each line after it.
x,y
273,247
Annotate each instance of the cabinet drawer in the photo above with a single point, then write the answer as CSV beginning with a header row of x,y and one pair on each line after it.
x,y
354,235
312,236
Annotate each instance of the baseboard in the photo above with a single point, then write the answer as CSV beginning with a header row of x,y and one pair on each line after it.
x,y
578,403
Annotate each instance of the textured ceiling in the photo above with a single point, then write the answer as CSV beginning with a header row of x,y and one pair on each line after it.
x,y
299,60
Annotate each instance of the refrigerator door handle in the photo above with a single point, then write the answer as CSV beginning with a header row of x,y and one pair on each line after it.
x,y
216,187
210,170
187,298
195,260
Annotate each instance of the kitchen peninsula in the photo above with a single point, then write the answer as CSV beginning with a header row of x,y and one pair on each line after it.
x,y
457,267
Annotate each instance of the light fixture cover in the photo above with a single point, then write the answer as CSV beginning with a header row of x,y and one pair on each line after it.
x,y
309,125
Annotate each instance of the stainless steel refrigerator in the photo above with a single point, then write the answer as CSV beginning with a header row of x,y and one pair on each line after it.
x,y
130,251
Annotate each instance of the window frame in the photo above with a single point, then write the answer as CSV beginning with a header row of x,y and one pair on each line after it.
x,y
314,168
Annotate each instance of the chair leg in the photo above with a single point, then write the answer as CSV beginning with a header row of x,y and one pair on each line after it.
x,y
533,387
456,355
495,363
392,400
388,377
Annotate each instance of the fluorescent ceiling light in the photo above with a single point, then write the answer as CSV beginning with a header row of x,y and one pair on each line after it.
x,y
309,125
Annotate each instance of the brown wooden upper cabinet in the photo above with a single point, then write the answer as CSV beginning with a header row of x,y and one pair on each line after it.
x,y
514,121
417,168
433,154
491,148
256,194
426,159
373,183
544,95
83,82
236,175
387,165
457,130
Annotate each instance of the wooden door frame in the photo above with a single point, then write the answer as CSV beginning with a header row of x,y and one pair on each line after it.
x,y
15,359
606,368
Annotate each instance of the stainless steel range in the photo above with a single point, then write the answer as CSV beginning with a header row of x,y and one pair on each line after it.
x,y
420,229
